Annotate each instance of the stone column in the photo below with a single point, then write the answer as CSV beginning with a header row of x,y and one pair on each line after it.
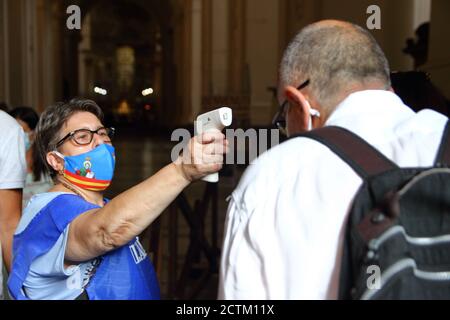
x,y
44,77
422,12
183,58
55,16
237,46
170,77
4,64
70,63
15,47
262,58
220,47
207,26
196,58
84,60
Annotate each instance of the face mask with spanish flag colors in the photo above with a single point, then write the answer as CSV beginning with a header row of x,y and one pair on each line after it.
x,y
92,170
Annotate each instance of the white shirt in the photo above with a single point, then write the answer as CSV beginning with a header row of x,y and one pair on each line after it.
x,y
12,161
12,153
285,221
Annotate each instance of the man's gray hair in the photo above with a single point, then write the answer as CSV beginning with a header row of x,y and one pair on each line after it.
x,y
334,55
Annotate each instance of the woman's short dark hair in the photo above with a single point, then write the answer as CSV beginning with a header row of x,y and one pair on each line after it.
x,y
51,122
27,115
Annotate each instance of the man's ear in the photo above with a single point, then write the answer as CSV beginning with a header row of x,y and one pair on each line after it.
x,y
298,110
55,162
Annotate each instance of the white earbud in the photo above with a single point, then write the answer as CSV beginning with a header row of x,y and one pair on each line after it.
x,y
312,113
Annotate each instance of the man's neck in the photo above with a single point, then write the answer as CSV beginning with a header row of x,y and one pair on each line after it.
x,y
352,88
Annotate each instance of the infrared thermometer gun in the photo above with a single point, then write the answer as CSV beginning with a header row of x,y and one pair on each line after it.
x,y
216,119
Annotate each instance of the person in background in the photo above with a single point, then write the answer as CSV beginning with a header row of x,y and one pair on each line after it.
x,y
12,179
36,181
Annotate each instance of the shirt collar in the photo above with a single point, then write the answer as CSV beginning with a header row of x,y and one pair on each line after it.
x,y
367,107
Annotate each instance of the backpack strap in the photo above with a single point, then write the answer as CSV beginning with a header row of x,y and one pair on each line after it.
x,y
443,155
364,159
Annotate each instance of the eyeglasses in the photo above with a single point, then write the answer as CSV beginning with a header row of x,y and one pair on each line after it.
x,y
279,119
84,136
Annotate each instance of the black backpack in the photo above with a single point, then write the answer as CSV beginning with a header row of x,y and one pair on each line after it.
x,y
397,241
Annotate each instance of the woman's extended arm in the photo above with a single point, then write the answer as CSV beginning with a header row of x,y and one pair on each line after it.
x,y
127,215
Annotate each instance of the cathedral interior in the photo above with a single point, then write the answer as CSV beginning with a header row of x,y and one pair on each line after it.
x,y
154,65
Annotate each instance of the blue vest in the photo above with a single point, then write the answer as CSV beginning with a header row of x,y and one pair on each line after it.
x,y
123,274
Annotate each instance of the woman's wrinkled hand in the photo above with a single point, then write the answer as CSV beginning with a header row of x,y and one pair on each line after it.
x,y
203,155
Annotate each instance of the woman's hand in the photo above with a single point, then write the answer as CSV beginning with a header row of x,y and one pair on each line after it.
x,y
203,155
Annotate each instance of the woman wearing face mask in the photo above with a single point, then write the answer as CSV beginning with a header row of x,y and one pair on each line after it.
x,y
71,243
36,180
